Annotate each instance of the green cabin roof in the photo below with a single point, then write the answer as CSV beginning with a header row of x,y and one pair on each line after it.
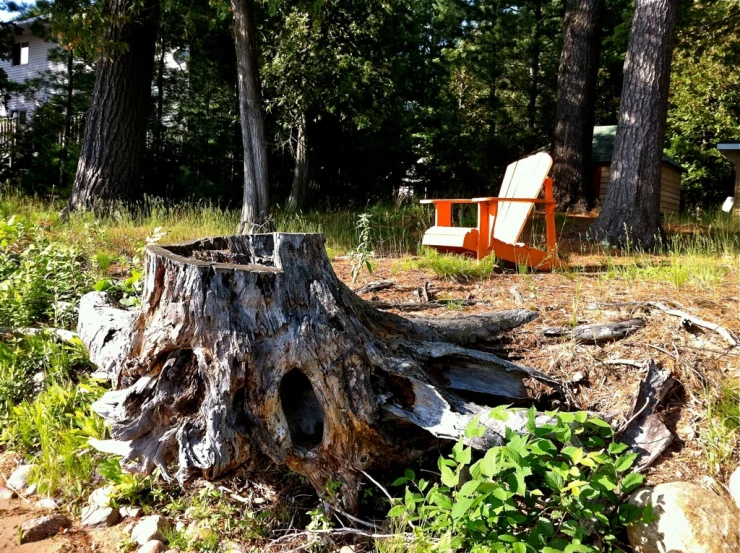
x,y
602,146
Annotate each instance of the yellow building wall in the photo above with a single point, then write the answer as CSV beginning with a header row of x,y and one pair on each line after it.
x,y
670,188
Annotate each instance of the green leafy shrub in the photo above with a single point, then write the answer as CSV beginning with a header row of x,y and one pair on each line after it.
x,y
556,489
52,427
40,280
22,358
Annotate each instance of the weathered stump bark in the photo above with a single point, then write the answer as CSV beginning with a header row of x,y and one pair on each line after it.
x,y
249,346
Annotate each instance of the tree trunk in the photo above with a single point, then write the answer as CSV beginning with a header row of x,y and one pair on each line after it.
x,y
249,347
115,129
298,198
631,210
574,127
255,206
534,66
159,137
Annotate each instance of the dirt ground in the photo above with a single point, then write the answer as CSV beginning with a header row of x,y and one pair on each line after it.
x,y
701,362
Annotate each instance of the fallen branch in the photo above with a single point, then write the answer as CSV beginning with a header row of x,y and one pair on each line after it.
x,y
375,286
59,333
597,333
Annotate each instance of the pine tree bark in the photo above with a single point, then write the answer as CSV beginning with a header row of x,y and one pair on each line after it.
x,y
571,143
248,347
255,205
111,159
631,210
298,198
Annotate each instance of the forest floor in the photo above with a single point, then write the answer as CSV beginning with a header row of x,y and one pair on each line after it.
x,y
703,412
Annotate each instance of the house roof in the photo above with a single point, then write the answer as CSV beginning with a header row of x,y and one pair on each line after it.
x,y
602,146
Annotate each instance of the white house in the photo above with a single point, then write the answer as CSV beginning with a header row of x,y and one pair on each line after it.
x,y
29,60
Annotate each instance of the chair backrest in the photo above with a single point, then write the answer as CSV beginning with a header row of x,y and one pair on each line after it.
x,y
523,179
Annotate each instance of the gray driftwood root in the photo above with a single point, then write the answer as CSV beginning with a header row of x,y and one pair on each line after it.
x,y
644,432
249,346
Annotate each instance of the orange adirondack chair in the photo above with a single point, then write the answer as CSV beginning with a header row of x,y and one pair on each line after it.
x,y
501,220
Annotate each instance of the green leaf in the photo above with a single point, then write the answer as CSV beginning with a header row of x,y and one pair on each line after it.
x,y
469,487
554,481
397,511
575,453
579,548
461,454
489,464
461,507
632,481
474,428
400,481
615,448
102,285
519,547
500,413
449,478
625,462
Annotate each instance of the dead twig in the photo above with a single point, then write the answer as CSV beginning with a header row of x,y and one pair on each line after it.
x,y
692,319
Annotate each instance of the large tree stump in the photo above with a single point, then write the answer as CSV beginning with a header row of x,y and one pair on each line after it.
x,y
248,346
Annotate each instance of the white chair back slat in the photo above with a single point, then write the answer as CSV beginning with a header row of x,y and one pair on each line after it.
x,y
523,179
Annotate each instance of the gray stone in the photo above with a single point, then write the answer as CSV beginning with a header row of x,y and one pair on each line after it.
x,y
101,496
690,519
99,517
233,547
40,528
19,479
47,503
7,494
734,486
127,528
30,490
150,528
152,546
129,511
197,532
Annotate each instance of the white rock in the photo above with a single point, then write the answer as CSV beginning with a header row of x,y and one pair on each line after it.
x,y
101,496
99,517
7,494
19,479
129,511
30,490
734,485
690,519
152,546
150,528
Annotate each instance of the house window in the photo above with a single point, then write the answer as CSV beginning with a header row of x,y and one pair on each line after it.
x,y
20,53
19,115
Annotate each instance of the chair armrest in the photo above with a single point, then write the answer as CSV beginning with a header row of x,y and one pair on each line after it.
x,y
513,200
451,201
